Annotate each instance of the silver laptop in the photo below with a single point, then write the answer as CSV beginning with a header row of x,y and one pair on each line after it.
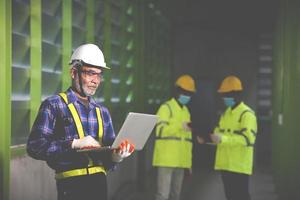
x,y
136,128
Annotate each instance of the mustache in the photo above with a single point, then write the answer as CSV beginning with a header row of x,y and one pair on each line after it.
x,y
92,86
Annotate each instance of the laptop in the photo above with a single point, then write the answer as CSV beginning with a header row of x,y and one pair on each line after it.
x,y
136,128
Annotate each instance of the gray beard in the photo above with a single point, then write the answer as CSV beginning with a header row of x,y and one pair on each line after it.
x,y
77,86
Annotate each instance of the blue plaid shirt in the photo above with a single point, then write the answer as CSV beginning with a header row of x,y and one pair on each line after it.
x,y
54,130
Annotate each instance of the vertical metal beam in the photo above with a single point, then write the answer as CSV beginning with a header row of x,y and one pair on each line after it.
x,y
66,42
35,57
90,21
139,21
107,49
140,88
5,94
285,98
123,53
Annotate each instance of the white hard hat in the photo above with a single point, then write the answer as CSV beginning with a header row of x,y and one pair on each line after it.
x,y
89,54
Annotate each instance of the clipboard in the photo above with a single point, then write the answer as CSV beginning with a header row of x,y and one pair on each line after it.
x,y
136,128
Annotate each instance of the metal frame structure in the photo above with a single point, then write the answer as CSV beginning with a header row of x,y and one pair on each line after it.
x,y
285,102
36,50
5,93
35,58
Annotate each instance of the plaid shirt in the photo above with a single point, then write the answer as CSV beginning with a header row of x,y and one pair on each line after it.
x,y
54,130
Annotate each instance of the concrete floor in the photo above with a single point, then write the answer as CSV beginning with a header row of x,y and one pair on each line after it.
x,y
206,184
203,184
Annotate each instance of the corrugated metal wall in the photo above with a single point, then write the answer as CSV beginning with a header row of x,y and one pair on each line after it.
x,y
286,98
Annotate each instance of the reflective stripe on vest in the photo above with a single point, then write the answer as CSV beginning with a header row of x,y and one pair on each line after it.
x,y
78,124
160,135
80,172
173,138
241,132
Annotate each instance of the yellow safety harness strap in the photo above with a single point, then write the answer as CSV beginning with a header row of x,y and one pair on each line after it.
x,y
80,172
100,124
74,115
77,118
78,124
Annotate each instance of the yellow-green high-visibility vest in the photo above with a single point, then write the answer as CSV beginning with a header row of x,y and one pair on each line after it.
x,y
238,128
173,145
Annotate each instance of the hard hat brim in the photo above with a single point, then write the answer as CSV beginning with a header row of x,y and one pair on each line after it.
x,y
96,66
90,65
228,91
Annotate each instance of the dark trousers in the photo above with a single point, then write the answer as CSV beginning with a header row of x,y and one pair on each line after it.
x,y
82,187
236,185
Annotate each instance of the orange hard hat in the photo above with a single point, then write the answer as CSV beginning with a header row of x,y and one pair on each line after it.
x,y
186,82
230,84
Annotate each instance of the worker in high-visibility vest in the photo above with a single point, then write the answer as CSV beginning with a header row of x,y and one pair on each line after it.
x,y
235,137
173,142
71,124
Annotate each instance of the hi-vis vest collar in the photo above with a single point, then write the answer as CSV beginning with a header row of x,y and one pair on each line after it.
x,y
77,120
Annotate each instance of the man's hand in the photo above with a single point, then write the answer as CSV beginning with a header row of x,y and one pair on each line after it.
x,y
188,173
215,138
124,150
200,140
186,126
86,142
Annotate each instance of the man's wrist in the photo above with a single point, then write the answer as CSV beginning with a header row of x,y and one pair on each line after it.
x,y
67,144
73,143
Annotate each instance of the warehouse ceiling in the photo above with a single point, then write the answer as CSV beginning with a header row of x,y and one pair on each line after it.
x,y
243,15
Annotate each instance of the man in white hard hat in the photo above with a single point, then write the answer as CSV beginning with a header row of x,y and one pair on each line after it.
x,y
71,126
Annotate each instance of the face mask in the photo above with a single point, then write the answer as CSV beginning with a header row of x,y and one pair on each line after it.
x,y
184,99
229,101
